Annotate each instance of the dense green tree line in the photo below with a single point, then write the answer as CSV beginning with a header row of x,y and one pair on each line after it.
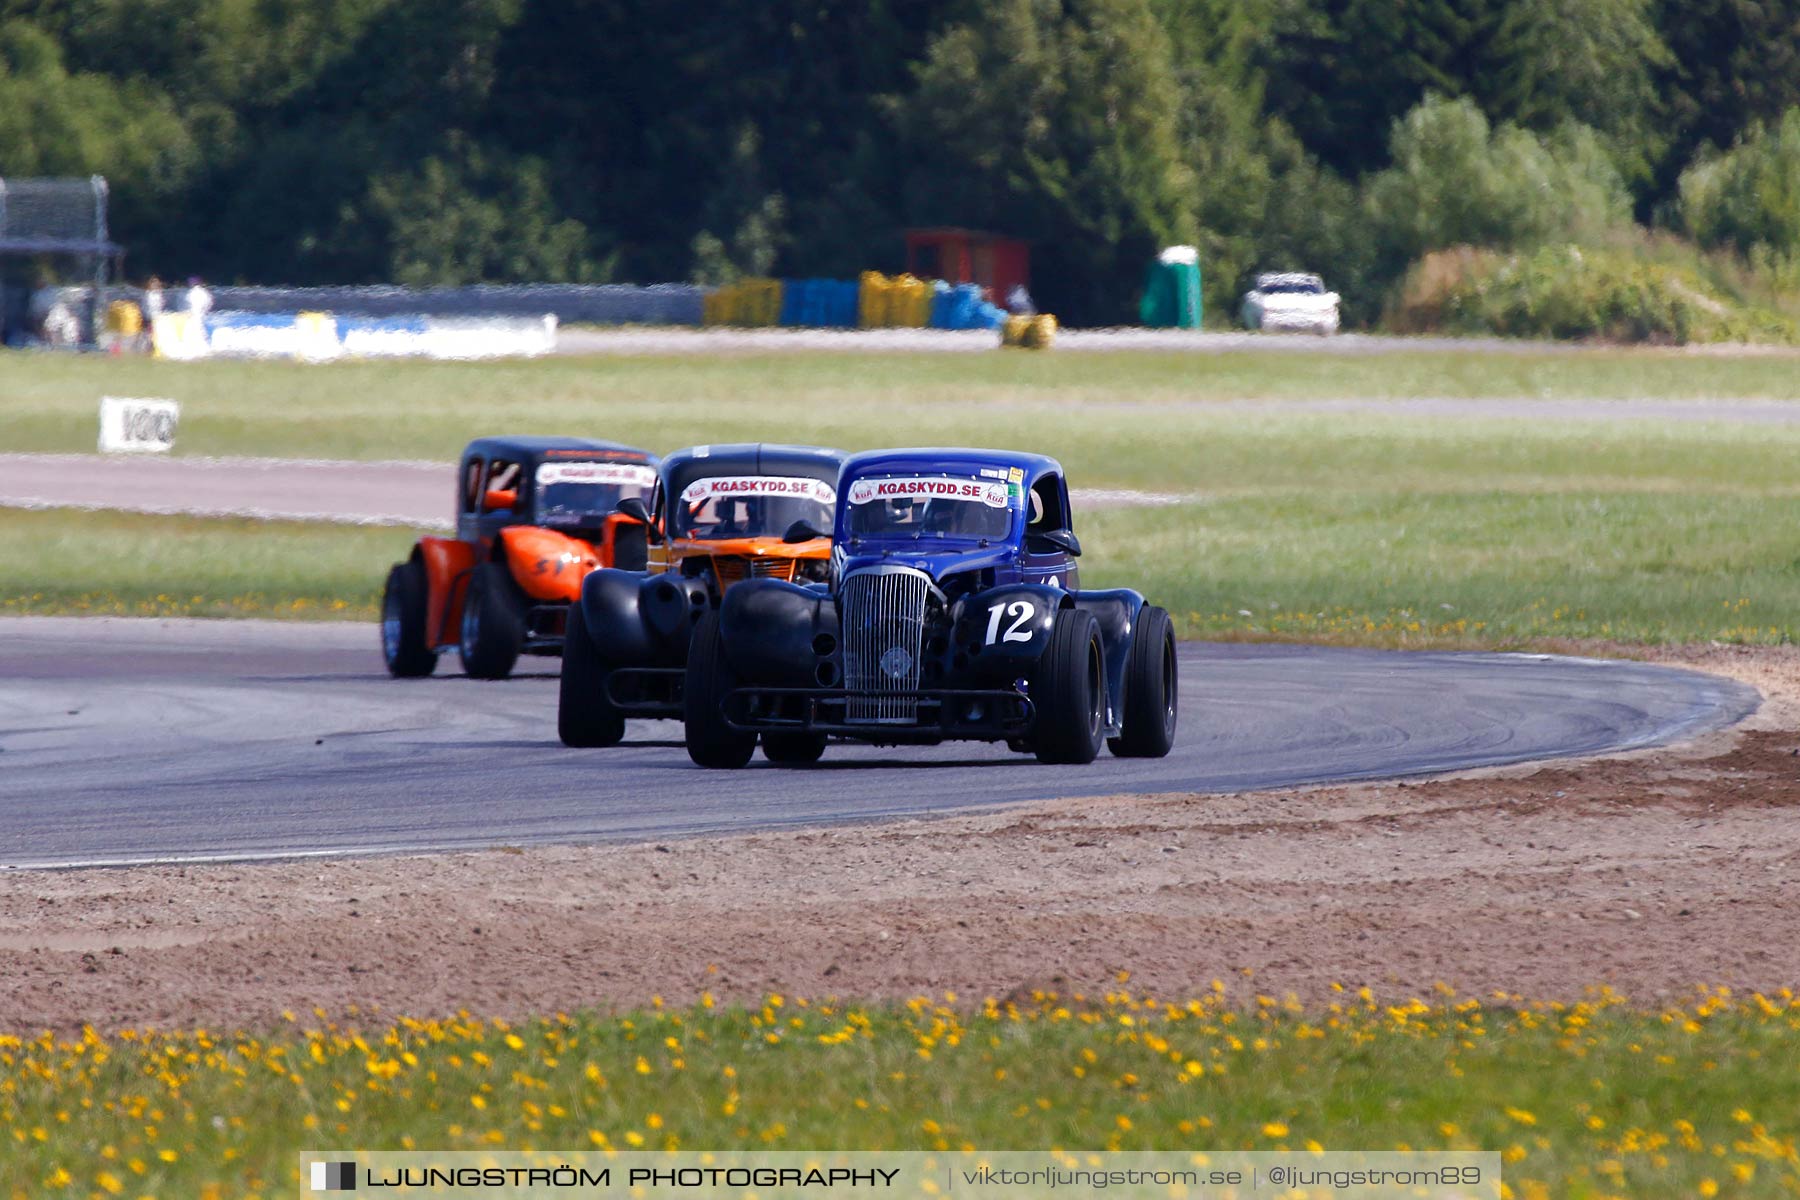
x,y
421,141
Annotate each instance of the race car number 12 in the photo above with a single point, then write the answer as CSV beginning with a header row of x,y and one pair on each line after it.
x,y
1021,611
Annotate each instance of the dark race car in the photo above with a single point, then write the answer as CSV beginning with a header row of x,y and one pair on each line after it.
x,y
718,515
954,610
533,516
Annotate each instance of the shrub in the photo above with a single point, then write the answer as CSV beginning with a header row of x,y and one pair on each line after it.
x,y
1455,180
1572,292
1749,197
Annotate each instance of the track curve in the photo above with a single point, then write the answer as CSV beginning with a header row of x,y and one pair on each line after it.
x,y
129,741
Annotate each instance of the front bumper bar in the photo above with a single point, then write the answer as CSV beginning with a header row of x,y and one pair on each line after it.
x,y
647,691
973,714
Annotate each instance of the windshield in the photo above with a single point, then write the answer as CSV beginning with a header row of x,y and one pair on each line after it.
x,y
1289,285
918,506
571,492
743,506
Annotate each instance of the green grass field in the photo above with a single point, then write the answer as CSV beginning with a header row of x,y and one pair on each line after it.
x,y
1349,526
1112,418
119,564
1585,1100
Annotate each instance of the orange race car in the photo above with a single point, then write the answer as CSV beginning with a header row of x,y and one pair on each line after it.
x,y
534,515
718,514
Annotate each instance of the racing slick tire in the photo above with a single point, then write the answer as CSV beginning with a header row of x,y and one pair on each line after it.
x,y
493,623
793,749
710,741
584,716
1147,727
403,618
1069,690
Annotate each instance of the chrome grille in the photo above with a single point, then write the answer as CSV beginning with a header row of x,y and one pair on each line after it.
x,y
729,568
883,618
772,568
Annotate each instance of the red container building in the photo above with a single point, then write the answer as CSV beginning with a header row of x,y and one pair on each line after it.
x,y
969,256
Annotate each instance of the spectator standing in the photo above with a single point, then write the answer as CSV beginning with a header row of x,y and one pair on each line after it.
x,y
198,301
153,308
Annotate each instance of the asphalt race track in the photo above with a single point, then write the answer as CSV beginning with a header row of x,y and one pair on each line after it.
x,y
128,741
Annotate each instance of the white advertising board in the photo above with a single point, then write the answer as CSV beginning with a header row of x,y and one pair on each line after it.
x,y
137,424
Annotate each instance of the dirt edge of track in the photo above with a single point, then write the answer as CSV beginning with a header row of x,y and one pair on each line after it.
x,y
1650,872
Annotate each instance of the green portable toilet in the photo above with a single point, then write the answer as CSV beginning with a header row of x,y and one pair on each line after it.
x,y
1172,290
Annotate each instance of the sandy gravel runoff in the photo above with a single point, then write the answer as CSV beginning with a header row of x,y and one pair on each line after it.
x,y
1651,872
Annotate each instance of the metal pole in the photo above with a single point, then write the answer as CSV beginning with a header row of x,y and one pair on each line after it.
x,y
100,257
100,233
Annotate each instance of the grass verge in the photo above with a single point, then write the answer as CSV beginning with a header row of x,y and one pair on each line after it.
x,y
1591,1099
60,562
1054,403
1483,569
1349,526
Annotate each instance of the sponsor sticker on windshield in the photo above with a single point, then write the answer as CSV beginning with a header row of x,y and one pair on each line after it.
x,y
623,474
974,491
790,486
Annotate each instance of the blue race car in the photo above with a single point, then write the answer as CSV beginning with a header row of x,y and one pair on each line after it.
x,y
954,611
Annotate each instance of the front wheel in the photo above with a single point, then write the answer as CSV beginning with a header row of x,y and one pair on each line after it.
x,y
403,609
710,741
493,623
793,749
1152,680
584,716
1069,691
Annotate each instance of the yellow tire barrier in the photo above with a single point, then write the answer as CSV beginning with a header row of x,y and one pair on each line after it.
x,y
1029,333
898,303
748,302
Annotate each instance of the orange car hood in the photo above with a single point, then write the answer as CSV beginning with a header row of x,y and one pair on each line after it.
x,y
750,547
547,564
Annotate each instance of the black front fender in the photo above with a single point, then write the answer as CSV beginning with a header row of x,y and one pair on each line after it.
x,y
777,633
1007,628
638,620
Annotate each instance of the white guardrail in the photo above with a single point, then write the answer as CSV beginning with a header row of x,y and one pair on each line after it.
x,y
324,337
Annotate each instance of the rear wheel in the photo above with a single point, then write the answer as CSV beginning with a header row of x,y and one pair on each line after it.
x,y
793,749
584,716
403,618
1147,729
1069,691
493,623
710,741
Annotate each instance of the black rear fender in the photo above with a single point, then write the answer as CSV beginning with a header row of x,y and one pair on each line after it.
x,y
1117,612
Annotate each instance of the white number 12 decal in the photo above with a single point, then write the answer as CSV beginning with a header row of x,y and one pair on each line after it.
x,y
1021,610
